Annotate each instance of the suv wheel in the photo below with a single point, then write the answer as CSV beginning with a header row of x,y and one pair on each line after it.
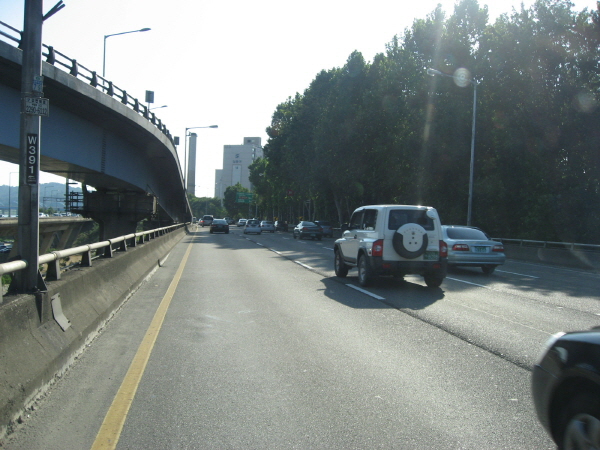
x,y
433,280
410,241
365,273
341,269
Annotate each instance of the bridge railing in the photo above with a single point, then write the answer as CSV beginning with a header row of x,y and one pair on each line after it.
x,y
550,245
77,70
86,252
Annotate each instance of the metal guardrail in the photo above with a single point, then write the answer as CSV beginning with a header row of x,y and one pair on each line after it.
x,y
104,248
72,67
551,245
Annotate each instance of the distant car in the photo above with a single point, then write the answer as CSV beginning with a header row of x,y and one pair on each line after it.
x,y
281,225
219,226
206,220
469,246
565,386
268,225
4,249
252,226
241,222
308,230
326,227
229,220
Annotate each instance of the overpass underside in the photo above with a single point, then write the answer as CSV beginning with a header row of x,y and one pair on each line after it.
x,y
125,160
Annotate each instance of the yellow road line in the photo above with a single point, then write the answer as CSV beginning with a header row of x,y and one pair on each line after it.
x,y
110,431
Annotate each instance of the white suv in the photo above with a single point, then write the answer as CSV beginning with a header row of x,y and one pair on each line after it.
x,y
393,240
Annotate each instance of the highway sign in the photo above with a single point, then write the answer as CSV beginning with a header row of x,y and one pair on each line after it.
x,y
243,197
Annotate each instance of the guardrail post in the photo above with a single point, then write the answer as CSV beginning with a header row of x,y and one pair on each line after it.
x,y
51,58
86,259
53,272
74,68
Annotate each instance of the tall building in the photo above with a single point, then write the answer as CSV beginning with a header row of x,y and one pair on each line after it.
x,y
236,160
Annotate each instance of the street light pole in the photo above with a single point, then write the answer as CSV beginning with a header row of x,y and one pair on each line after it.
x,y
462,80
116,34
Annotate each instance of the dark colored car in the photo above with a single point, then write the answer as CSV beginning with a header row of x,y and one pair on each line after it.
x,y
308,229
281,225
219,226
565,385
326,227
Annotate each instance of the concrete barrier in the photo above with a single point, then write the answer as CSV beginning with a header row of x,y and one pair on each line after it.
x,y
578,259
34,348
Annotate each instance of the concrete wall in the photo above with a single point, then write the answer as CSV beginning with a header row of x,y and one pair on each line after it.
x,y
562,257
34,349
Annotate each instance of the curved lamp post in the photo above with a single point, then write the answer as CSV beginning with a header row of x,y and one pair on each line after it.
x,y
116,34
463,80
185,136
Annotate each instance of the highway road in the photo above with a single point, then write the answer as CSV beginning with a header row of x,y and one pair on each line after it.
x,y
251,342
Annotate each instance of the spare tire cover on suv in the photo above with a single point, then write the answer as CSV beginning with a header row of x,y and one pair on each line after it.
x,y
410,240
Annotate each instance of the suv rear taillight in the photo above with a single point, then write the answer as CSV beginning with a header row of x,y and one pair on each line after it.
x,y
498,248
460,247
377,249
443,249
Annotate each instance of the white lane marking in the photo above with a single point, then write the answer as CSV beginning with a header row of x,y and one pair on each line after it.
x,y
472,284
275,251
304,265
327,248
515,273
370,294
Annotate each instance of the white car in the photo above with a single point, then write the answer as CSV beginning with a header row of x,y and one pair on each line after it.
x,y
252,226
268,225
241,222
392,240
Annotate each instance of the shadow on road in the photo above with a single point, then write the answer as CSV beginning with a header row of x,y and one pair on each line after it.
x,y
396,293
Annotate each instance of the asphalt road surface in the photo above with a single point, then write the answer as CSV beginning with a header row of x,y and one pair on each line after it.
x,y
251,342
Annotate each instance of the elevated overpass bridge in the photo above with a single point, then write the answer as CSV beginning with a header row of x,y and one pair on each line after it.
x,y
98,135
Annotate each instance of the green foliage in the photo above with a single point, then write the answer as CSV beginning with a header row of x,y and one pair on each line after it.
x,y
385,132
88,237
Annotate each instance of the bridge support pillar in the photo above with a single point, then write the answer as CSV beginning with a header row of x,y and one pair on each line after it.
x,y
118,213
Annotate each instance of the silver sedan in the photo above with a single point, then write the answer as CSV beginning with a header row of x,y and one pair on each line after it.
x,y
268,225
468,246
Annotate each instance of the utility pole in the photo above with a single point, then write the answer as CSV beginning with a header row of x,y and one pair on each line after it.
x,y
33,106
29,157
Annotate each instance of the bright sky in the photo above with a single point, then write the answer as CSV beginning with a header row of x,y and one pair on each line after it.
x,y
227,63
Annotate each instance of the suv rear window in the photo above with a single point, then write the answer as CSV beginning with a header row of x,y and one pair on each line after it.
x,y
399,217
